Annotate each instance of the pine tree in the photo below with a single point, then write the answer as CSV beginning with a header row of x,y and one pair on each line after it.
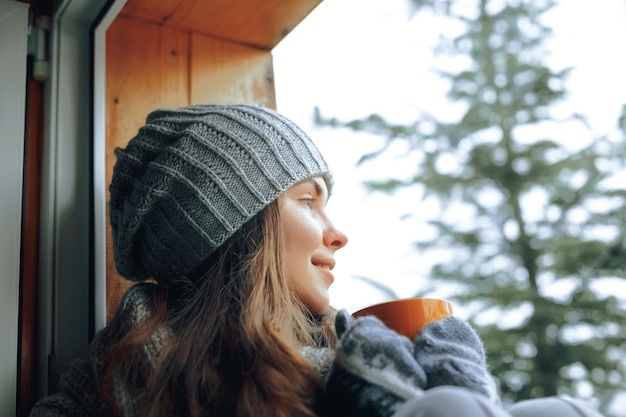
x,y
544,214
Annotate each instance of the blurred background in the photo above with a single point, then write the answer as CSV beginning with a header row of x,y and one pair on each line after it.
x,y
479,153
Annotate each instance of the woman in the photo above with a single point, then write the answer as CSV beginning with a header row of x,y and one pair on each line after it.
x,y
219,213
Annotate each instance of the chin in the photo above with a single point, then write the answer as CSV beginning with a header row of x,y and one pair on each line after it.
x,y
318,308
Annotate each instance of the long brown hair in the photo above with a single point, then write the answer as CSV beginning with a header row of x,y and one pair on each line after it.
x,y
234,335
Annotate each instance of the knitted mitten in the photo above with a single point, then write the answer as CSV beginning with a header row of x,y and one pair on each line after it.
x,y
374,371
451,353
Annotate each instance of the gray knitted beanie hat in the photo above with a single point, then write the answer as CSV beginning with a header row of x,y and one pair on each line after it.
x,y
193,176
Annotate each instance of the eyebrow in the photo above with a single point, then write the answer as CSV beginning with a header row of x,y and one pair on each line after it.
x,y
318,188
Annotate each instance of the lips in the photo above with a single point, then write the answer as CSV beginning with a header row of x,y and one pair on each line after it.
x,y
326,266
329,264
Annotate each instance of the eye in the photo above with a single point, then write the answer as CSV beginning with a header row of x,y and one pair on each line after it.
x,y
307,201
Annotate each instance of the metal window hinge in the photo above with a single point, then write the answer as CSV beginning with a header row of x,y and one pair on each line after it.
x,y
38,46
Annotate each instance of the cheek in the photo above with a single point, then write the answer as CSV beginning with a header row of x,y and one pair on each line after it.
x,y
300,232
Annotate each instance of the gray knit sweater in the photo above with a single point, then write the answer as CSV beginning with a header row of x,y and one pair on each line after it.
x,y
372,371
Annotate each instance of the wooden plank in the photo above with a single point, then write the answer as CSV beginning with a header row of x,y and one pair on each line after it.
x,y
30,244
256,23
223,72
147,66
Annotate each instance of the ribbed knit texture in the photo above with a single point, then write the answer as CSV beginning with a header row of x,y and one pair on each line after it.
x,y
193,176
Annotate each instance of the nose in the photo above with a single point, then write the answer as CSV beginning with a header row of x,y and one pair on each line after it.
x,y
334,238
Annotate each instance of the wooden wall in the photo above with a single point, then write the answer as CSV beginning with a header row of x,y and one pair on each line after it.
x,y
149,65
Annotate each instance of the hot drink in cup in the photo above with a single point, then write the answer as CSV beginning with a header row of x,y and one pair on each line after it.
x,y
410,315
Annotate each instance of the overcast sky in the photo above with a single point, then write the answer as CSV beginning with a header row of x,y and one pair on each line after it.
x,y
353,58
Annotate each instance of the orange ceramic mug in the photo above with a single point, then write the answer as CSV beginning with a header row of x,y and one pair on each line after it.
x,y
408,316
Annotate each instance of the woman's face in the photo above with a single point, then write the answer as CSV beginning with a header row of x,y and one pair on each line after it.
x,y
310,241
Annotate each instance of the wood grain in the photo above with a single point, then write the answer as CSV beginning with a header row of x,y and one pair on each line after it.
x,y
256,23
224,72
